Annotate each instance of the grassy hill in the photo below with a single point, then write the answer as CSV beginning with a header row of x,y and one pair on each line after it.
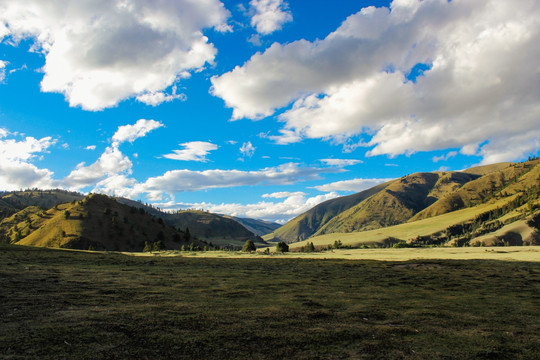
x,y
219,230
95,222
305,225
13,201
489,192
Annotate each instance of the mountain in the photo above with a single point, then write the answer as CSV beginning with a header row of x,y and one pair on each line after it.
x,y
13,201
96,222
416,197
212,228
256,226
306,224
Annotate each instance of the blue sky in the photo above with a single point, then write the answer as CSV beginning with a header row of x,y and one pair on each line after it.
x,y
261,108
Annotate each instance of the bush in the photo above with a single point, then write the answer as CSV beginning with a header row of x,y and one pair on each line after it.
x,y
282,247
249,246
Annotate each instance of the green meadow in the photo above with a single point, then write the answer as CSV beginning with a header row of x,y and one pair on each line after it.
x,y
61,304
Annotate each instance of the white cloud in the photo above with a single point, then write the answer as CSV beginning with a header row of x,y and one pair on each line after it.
x,y
110,163
480,88
90,147
451,154
112,166
13,150
293,205
286,137
340,162
247,149
16,169
283,194
98,53
193,151
2,69
269,15
188,180
132,132
158,97
353,185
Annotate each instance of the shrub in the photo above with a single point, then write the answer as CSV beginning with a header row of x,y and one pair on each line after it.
x,y
249,246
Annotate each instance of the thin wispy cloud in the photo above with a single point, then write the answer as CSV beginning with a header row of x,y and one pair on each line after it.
x,y
192,151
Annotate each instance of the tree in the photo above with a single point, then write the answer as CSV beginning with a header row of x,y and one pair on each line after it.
x,y
249,246
282,247
147,247
158,246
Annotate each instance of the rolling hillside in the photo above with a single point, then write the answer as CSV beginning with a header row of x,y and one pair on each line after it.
x,y
212,228
417,197
305,225
95,222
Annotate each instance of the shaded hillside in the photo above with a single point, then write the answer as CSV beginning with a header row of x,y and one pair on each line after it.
x,y
257,227
13,201
307,224
96,222
216,229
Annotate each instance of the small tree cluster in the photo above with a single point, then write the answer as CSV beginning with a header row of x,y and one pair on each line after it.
x,y
282,247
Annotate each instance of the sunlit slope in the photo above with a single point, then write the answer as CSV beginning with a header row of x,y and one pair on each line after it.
x,y
416,197
433,226
305,225
397,203
96,222
506,181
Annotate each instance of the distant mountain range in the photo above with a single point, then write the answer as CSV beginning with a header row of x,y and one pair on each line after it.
x,y
508,186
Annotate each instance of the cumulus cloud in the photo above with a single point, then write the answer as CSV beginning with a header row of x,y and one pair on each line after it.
x,y
353,185
133,132
193,151
479,86
90,147
98,53
16,169
111,162
269,15
340,162
247,149
112,165
293,204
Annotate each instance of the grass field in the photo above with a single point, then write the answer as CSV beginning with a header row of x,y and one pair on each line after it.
x,y
63,304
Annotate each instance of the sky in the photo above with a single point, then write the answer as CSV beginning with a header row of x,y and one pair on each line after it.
x,y
261,108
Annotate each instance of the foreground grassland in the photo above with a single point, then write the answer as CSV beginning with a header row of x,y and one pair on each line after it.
x,y
62,304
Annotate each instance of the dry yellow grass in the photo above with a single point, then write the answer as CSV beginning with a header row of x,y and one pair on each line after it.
x,y
514,253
